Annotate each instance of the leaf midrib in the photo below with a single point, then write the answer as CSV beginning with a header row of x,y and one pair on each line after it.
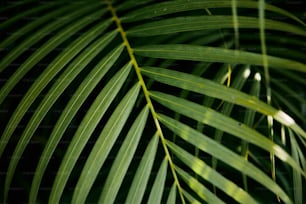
x,y
116,19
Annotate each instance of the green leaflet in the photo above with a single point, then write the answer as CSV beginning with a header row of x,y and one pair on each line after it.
x,y
198,188
215,54
249,119
32,26
297,178
87,126
210,146
52,43
142,174
165,8
237,83
123,159
58,45
195,23
235,22
172,195
48,74
57,89
104,144
128,4
213,89
217,120
190,198
286,90
69,112
211,175
43,51
159,184
295,110
29,12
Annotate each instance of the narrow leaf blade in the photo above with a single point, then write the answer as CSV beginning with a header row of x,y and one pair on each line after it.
x,y
104,144
123,159
80,95
210,146
217,120
212,176
141,178
159,184
215,54
198,188
195,23
87,126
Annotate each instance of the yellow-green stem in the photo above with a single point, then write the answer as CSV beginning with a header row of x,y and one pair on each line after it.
x,y
261,8
147,96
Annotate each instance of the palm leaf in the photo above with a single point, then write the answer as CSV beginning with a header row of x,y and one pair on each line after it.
x,y
125,155
183,24
212,54
200,189
46,104
143,99
159,184
143,172
85,129
69,112
206,172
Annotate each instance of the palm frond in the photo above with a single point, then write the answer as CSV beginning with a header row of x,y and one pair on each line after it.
x,y
158,102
